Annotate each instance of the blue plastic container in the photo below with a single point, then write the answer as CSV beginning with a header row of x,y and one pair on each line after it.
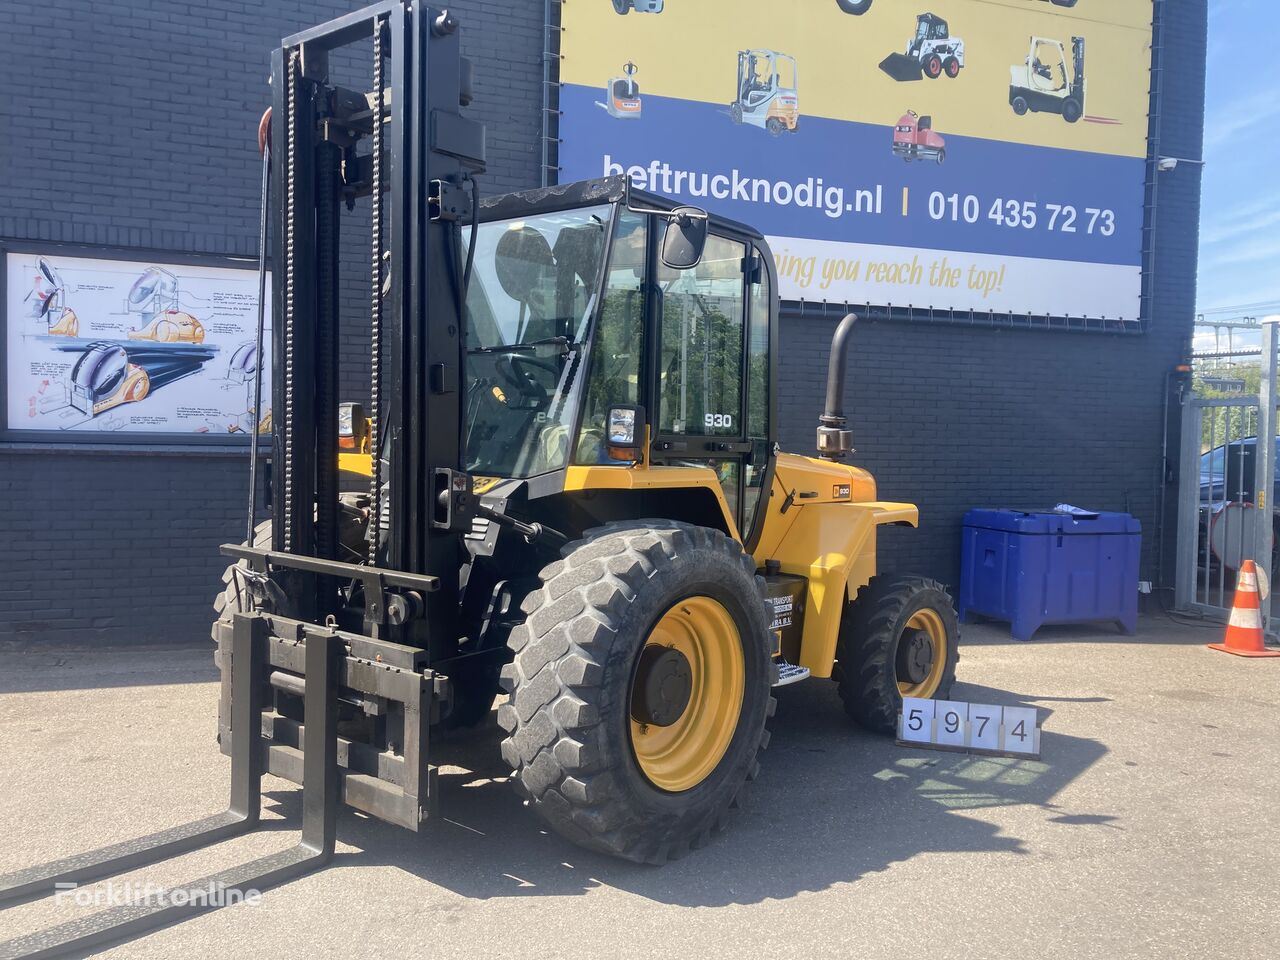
x,y
1032,568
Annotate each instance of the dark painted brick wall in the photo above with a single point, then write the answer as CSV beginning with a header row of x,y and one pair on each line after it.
x,y
132,123
138,132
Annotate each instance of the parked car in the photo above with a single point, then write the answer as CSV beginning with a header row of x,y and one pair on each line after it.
x,y
1227,487
1221,468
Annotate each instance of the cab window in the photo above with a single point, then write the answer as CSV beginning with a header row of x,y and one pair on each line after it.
x,y
700,365
618,346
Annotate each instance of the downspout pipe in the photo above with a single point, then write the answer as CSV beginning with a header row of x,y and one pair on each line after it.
x,y
835,442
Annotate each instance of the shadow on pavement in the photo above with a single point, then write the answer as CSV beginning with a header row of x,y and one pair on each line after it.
x,y
1152,629
833,804
37,669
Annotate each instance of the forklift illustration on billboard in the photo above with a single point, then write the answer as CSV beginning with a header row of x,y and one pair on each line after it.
x,y
930,53
622,95
914,139
1040,84
48,293
767,96
108,374
155,295
623,7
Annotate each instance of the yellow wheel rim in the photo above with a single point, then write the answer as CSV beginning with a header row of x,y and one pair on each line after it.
x,y
930,623
680,756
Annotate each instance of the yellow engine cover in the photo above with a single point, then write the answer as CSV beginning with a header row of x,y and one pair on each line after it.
x,y
821,524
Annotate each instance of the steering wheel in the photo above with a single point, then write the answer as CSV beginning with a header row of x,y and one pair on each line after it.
x,y
513,369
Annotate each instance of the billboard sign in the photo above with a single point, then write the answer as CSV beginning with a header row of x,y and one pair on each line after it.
x,y
97,347
966,155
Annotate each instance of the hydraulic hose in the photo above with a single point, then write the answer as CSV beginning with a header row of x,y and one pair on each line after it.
x,y
265,146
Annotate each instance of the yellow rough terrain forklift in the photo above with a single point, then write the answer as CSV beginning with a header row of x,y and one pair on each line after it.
x,y
565,487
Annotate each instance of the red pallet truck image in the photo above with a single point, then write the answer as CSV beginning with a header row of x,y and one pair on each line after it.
x,y
914,139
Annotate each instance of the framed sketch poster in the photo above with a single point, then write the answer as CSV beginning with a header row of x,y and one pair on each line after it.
x,y
110,345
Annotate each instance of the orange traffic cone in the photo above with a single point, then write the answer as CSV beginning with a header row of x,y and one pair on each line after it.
x,y
1244,629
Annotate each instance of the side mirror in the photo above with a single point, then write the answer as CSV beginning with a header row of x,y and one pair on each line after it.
x,y
353,428
625,432
685,238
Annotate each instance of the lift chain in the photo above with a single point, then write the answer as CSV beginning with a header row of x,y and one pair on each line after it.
x,y
375,314
291,194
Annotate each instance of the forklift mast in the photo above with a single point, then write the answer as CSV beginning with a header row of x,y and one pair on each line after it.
x,y
1077,54
416,172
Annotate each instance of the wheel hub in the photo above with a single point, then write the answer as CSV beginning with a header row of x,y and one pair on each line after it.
x,y
663,686
915,656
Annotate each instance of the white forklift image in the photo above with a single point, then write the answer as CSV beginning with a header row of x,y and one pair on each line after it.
x,y
766,92
1041,85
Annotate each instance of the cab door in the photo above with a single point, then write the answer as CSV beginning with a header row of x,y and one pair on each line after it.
x,y
711,376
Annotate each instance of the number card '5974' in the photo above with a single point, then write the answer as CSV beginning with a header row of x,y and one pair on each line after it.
x,y
969,727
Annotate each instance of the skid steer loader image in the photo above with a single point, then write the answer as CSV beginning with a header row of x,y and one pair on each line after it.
x,y
1041,83
930,53
566,493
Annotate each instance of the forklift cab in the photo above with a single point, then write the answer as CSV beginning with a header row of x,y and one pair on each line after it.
x,y
928,27
1048,66
762,75
585,349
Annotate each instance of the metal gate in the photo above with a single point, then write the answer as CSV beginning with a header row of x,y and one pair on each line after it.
x,y
1227,476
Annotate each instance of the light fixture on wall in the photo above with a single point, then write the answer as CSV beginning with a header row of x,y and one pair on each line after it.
x,y
1167,164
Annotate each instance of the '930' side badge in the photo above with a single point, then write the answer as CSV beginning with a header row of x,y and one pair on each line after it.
x,y
840,491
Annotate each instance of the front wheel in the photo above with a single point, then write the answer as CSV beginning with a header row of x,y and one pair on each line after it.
x,y
622,6
932,66
855,7
640,688
899,638
1072,110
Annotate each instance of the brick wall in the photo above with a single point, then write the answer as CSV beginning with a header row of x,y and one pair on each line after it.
x,y
131,123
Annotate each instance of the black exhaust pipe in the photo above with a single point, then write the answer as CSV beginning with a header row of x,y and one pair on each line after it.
x,y
834,441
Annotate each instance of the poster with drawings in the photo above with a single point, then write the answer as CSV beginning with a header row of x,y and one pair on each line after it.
x,y
124,346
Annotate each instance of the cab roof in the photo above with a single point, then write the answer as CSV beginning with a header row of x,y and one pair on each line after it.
x,y
584,193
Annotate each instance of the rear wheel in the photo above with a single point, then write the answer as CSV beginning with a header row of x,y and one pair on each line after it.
x,y
640,688
899,638
856,7
932,66
776,126
1020,106
622,6
735,112
941,157
952,67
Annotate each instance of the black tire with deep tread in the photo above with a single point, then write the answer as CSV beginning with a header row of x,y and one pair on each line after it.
x,y
867,648
567,721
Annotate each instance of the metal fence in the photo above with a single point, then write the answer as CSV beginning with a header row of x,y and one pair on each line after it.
x,y
1226,490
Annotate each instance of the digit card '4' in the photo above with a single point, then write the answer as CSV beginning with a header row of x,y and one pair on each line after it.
x,y
969,727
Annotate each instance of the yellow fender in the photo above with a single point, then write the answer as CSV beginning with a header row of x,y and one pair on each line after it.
x,y
828,535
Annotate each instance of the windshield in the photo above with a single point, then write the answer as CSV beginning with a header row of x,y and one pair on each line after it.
x,y
533,291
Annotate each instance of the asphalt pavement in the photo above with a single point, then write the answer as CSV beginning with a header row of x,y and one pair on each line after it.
x,y
1149,828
